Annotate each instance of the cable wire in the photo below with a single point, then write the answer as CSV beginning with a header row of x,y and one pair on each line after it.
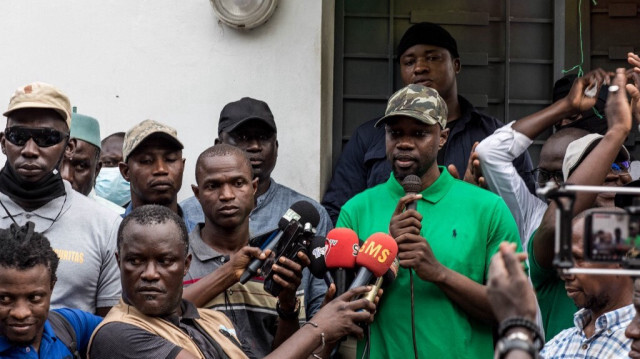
x,y
413,316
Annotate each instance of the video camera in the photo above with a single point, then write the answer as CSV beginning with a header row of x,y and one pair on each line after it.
x,y
610,235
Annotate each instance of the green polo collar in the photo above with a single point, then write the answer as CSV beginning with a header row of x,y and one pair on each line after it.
x,y
431,194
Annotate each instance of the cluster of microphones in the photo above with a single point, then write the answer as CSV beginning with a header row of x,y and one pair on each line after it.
x,y
339,258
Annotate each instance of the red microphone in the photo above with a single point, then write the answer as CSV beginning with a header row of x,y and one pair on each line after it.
x,y
342,246
375,257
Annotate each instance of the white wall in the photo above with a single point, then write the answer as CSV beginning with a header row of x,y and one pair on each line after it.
x,y
123,61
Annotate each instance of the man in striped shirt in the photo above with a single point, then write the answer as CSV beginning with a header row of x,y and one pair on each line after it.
x,y
606,310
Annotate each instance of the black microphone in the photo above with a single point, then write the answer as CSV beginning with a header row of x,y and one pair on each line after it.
x,y
318,265
412,184
299,212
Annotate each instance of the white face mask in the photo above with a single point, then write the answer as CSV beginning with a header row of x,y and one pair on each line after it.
x,y
112,186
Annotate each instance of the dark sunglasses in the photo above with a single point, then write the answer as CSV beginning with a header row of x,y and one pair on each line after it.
x,y
43,137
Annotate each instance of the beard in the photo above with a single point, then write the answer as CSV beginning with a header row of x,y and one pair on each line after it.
x,y
419,169
596,303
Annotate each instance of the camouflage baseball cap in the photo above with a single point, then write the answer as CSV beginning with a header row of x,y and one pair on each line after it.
x,y
140,132
40,95
419,102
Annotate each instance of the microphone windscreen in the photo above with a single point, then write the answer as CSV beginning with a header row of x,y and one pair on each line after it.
x,y
377,253
412,184
342,248
301,211
317,249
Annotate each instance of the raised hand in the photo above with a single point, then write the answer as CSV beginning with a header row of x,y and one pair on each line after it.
x,y
577,99
509,291
617,108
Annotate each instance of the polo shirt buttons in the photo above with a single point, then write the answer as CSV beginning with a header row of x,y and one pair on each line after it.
x,y
28,215
585,346
27,349
230,292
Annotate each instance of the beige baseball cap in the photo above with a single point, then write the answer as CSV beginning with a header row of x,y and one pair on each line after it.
x,y
40,95
140,132
578,150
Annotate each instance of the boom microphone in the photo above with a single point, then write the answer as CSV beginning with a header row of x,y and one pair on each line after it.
x,y
412,184
376,256
300,212
341,250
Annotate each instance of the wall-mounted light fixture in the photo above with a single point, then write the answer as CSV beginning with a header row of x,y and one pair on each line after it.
x,y
244,14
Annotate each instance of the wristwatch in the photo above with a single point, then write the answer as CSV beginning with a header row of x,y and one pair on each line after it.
x,y
516,341
290,315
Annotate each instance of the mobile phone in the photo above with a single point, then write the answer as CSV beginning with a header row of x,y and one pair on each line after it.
x,y
609,235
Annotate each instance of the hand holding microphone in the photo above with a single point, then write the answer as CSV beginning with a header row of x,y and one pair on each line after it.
x,y
342,315
239,261
414,251
289,226
409,220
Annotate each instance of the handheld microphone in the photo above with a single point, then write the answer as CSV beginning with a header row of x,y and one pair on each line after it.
x,y
412,184
318,266
384,281
342,247
376,255
299,212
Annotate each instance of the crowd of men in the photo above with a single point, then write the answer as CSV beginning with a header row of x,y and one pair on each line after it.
x,y
98,259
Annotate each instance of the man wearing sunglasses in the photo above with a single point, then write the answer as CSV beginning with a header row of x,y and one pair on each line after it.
x,y
82,232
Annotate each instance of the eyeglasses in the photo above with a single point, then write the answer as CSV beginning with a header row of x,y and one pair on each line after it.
x,y
43,137
543,176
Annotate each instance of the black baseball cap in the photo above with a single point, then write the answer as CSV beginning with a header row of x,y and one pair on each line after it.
x,y
236,113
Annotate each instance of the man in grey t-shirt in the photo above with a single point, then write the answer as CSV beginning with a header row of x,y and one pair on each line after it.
x,y
81,232
226,189
249,125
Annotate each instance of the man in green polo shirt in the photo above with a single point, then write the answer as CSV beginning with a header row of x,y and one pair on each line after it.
x,y
447,242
